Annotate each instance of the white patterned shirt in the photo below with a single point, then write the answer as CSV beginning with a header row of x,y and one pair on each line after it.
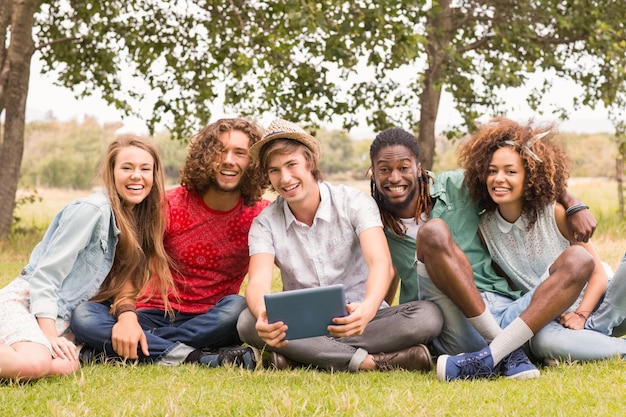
x,y
328,252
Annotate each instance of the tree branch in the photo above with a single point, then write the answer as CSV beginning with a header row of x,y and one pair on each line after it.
x,y
60,40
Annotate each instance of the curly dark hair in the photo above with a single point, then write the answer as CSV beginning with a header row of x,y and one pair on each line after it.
x,y
544,161
198,173
396,136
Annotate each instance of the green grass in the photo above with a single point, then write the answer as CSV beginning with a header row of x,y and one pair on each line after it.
x,y
591,389
579,390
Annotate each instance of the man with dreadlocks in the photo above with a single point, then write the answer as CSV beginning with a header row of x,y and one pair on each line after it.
x,y
431,226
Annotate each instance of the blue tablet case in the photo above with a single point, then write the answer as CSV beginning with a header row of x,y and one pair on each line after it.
x,y
306,312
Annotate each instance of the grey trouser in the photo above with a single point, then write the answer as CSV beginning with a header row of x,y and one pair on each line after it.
x,y
391,329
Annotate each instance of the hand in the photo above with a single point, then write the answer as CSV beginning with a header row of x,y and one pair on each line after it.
x,y
63,348
272,334
353,324
583,225
572,321
127,334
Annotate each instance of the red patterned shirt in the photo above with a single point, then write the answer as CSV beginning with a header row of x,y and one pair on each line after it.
x,y
210,248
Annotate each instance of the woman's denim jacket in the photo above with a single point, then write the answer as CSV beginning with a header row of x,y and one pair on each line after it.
x,y
74,257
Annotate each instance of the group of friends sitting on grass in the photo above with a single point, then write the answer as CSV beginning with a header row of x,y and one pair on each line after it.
x,y
494,264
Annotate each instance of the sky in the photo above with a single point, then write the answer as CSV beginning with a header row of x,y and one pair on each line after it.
x,y
45,98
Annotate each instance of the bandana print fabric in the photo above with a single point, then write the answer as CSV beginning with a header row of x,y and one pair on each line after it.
x,y
210,249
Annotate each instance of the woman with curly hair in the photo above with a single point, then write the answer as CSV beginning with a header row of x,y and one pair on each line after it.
x,y
517,172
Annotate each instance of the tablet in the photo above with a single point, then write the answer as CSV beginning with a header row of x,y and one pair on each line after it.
x,y
307,312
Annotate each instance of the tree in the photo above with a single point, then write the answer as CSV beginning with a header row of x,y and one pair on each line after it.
x,y
308,61
337,150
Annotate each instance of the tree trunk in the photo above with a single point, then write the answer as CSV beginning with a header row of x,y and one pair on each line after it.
x,y
429,106
14,78
438,32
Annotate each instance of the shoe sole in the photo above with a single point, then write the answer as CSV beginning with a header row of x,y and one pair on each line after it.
x,y
530,374
442,361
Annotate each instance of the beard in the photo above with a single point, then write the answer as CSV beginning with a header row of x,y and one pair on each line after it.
x,y
394,208
214,184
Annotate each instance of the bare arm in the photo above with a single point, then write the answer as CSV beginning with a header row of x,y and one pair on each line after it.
x,y
393,288
127,333
259,281
597,283
61,347
378,259
260,275
582,223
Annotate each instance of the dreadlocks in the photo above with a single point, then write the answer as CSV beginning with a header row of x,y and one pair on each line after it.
x,y
399,137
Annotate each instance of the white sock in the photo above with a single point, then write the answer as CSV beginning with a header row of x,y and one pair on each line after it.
x,y
486,325
512,337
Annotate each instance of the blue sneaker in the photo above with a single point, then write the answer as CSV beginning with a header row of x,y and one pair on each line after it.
x,y
246,357
466,366
518,366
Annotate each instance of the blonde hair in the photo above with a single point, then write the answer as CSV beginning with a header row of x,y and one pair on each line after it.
x,y
139,254
288,147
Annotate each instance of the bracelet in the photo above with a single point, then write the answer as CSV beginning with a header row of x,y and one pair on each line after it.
x,y
576,208
124,308
581,315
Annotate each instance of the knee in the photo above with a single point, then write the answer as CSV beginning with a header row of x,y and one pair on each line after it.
x,y
578,262
83,318
239,302
433,236
428,318
547,345
433,318
35,367
245,325
79,317
233,305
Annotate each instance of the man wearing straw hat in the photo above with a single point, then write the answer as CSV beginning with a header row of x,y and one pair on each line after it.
x,y
319,234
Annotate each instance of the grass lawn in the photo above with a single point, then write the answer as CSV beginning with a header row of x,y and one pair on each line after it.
x,y
570,389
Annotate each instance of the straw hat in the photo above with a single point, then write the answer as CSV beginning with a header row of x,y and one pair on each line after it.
x,y
282,129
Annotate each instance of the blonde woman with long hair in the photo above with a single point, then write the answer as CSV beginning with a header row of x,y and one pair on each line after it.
x,y
103,247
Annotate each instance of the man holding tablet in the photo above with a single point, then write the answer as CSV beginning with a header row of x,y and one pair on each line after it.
x,y
319,235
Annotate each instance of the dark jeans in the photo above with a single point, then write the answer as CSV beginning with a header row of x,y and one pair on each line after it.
x,y
170,339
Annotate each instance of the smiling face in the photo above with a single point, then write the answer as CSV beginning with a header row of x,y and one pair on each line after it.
x,y
505,181
134,174
396,173
232,162
291,178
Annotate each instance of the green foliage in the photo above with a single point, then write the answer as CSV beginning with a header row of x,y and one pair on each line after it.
x,y
27,197
312,60
337,152
592,155
66,155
